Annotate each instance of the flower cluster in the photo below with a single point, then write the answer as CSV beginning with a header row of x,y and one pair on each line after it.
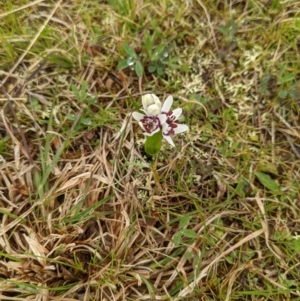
x,y
158,117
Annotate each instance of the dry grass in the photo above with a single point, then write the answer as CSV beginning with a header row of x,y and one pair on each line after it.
x,y
84,215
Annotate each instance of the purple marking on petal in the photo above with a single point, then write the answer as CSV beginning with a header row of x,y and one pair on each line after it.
x,y
150,124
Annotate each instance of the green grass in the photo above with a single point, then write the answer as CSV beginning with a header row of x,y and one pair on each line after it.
x,y
85,215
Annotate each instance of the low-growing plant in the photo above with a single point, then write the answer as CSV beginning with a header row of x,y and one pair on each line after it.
x,y
228,30
155,58
290,85
132,61
183,231
285,85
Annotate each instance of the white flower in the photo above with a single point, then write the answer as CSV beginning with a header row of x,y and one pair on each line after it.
x,y
151,104
159,117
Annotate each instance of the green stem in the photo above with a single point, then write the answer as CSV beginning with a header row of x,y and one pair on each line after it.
x,y
155,173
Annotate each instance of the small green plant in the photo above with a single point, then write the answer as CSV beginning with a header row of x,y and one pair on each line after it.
x,y
267,181
285,82
182,231
132,61
293,92
158,56
229,30
155,58
159,60
290,87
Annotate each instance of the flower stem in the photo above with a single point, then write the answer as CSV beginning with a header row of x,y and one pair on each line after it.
x,y
155,174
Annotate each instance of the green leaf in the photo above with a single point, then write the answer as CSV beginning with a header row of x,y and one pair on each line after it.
x,y
148,43
75,91
158,51
267,181
231,258
295,245
160,70
71,117
122,65
286,282
295,94
268,167
283,94
184,221
150,288
240,188
83,89
129,51
177,238
151,68
80,94
3,211
287,77
222,29
232,27
86,121
153,144
188,255
139,69
189,233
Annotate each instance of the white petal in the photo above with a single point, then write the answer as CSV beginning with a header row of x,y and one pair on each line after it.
x,y
150,99
181,128
162,118
146,100
167,104
169,139
177,112
137,116
156,99
153,110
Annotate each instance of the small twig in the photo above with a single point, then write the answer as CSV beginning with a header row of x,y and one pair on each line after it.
x,y
220,94
290,141
290,131
140,85
264,223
